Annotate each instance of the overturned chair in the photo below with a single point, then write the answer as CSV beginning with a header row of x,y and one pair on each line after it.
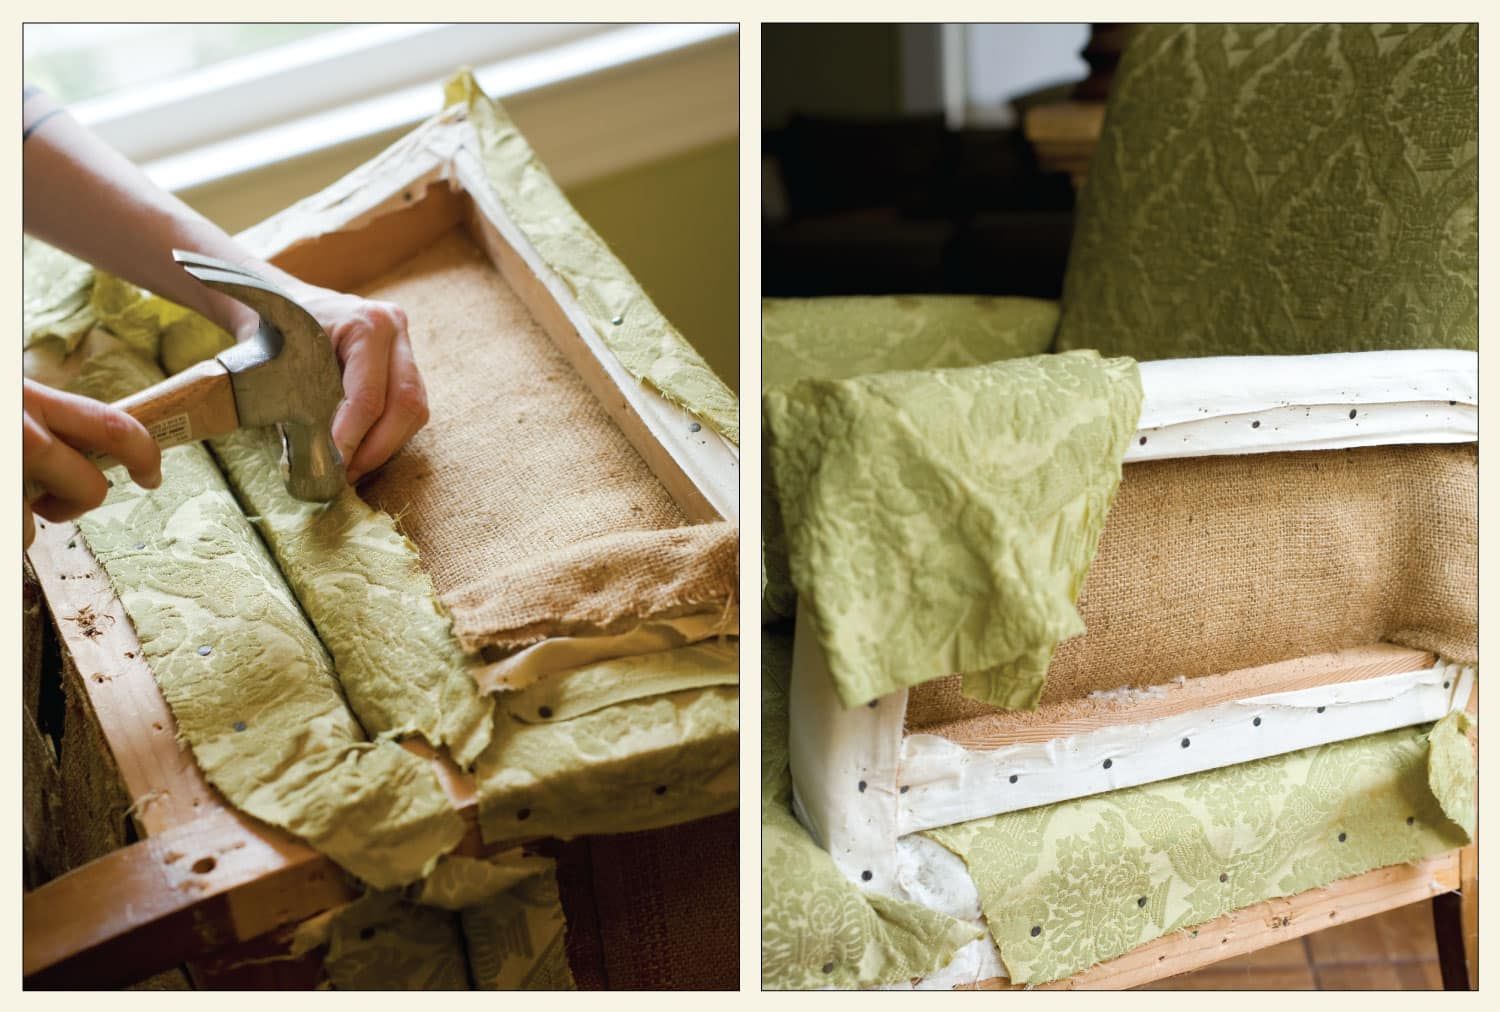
x,y
393,740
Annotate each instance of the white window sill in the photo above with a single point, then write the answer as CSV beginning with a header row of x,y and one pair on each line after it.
x,y
592,102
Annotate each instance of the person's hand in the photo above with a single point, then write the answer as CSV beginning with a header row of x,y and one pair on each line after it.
x,y
384,402
56,430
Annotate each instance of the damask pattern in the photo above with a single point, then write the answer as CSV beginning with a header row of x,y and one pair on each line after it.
x,y
253,691
942,521
1282,189
844,336
1069,885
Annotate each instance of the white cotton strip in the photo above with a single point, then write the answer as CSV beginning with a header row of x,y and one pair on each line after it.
x,y
942,783
844,765
563,653
1194,407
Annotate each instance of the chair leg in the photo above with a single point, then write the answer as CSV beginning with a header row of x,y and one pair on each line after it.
x,y
1447,922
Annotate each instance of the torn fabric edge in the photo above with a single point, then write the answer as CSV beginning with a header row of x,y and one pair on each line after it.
x,y
623,316
229,662
638,764
562,653
818,929
375,609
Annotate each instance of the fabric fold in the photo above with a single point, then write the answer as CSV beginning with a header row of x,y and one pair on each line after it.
x,y
250,685
943,521
623,316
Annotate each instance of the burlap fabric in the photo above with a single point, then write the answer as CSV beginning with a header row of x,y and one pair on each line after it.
x,y
534,515
1213,564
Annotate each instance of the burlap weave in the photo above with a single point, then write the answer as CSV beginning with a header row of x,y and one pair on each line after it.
x,y
1213,564
534,515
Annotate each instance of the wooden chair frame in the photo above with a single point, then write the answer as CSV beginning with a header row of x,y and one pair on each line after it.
x,y
207,885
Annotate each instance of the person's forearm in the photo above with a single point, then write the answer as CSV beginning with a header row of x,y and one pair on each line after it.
x,y
84,197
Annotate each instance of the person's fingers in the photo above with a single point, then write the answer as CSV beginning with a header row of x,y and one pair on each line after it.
x,y
73,485
405,413
365,350
95,427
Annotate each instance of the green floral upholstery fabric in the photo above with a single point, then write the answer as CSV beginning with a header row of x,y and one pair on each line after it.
x,y
845,336
1069,885
943,521
1282,189
817,928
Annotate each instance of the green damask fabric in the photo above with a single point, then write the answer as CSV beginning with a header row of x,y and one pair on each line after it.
x,y
943,521
64,298
624,317
1069,885
620,745
1282,189
493,924
375,610
817,928
1450,770
840,337
252,689
844,336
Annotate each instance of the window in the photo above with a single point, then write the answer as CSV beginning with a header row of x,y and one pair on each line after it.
x,y
76,62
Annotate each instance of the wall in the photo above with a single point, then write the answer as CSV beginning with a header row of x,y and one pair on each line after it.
x,y
830,70
1005,62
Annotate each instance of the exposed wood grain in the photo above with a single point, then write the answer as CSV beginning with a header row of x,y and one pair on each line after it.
x,y
1075,717
1264,924
164,784
194,888
207,880
346,259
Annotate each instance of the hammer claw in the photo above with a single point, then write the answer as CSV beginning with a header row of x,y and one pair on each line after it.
x,y
285,375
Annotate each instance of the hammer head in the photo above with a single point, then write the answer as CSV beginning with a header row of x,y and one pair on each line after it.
x,y
286,376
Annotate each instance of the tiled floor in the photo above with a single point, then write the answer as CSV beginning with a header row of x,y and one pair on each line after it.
x,y
1395,950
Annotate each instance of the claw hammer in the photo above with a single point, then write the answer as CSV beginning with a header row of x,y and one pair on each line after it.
x,y
286,375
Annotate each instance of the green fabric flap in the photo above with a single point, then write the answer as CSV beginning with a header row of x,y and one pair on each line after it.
x,y
840,337
459,882
623,316
516,939
65,298
569,694
55,292
382,943
1451,770
1069,885
844,336
251,687
943,521
1282,189
818,929
634,765
374,608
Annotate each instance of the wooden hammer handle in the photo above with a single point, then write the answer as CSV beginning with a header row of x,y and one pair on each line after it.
x,y
197,403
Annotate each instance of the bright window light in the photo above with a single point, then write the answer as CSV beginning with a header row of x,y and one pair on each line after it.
x,y
80,61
